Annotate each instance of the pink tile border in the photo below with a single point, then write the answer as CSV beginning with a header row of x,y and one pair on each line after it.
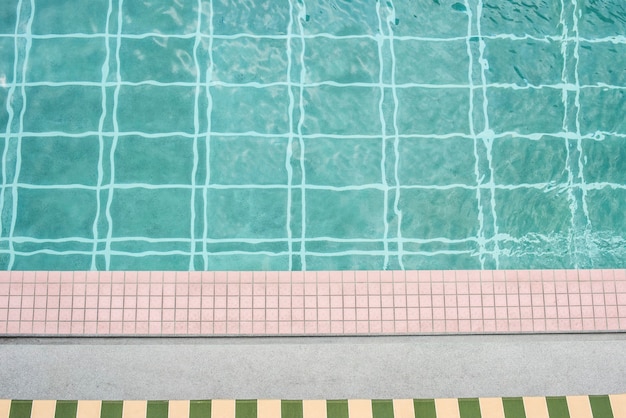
x,y
311,303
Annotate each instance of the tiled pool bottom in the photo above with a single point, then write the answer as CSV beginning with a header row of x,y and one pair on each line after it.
x,y
242,303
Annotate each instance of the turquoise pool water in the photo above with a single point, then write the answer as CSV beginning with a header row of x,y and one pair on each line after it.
x,y
291,134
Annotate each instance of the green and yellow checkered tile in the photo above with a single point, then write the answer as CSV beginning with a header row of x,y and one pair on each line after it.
x,y
611,406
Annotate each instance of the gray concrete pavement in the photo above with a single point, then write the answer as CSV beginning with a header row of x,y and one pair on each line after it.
x,y
344,367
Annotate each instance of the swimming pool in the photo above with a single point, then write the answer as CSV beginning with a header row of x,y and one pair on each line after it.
x,y
326,135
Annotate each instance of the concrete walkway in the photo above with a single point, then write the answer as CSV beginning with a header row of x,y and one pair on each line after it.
x,y
297,368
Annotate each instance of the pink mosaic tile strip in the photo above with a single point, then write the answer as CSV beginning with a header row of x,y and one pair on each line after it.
x,y
311,303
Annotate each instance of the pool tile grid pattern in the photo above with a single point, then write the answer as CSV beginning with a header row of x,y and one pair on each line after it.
x,y
518,105
595,406
311,303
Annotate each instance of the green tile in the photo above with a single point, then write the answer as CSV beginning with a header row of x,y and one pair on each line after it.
x,y
362,116
431,62
153,160
353,17
151,59
352,161
605,160
174,106
259,17
7,50
246,213
52,17
424,408
157,409
246,408
382,408
508,17
111,409
73,109
533,116
291,409
431,161
337,409
48,60
442,111
598,61
200,409
513,408
594,110
236,160
59,160
521,160
355,213
153,213
66,409
264,110
45,213
171,18
532,211
601,406
469,408
355,60
434,213
243,60
20,409
8,13
418,19
522,63
557,407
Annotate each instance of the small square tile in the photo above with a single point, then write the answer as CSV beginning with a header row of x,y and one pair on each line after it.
x,y
542,113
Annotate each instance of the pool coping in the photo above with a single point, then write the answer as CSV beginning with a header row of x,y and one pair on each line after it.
x,y
267,303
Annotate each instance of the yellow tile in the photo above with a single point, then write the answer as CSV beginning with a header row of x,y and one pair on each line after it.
x,y
135,409
223,408
448,408
579,407
88,409
618,405
314,409
5,408
268,408
360,408
43,409
178,409
403,408
536,407
491,407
